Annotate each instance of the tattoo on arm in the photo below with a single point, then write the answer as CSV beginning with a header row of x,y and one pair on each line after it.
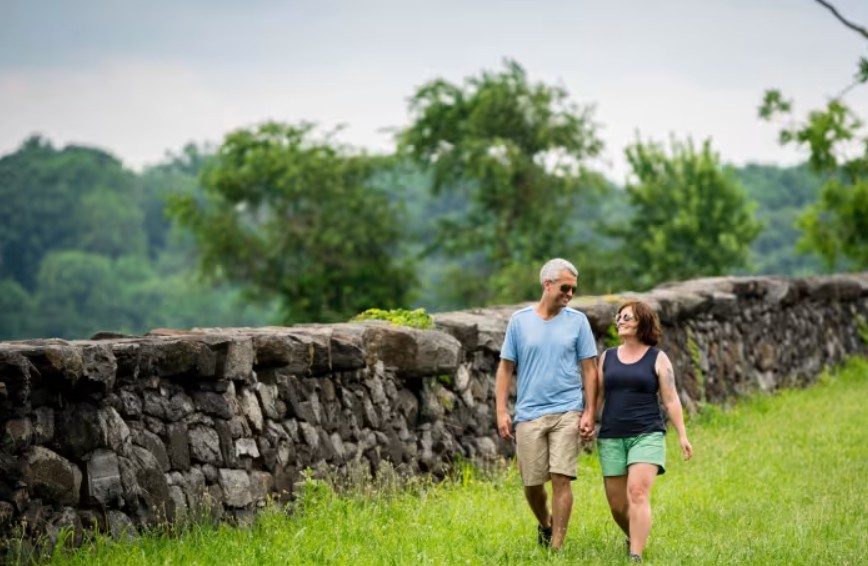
x,y
670,377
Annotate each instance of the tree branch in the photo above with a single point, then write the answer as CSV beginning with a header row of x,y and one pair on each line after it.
x,y
857,28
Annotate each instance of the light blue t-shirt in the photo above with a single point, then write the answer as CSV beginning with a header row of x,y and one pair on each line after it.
x,y
547,354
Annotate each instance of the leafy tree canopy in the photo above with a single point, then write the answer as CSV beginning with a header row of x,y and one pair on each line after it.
x,y
690,216
836,226
517,150
74,198
292,216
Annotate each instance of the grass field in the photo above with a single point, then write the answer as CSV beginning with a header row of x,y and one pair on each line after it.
x,y
775,480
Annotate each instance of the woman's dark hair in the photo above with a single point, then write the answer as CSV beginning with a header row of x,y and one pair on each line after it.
x,y
647,326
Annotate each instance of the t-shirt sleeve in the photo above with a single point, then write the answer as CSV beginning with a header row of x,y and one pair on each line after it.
x,y
509,349
585,344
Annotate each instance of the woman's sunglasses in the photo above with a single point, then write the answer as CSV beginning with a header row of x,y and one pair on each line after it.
x,y
626,317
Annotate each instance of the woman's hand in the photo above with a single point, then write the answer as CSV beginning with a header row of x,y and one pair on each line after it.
x,y
686,448
586,425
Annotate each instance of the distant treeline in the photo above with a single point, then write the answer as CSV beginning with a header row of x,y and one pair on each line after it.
x,y
86,244
280,224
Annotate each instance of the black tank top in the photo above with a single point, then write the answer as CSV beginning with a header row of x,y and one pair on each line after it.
x,y
631,405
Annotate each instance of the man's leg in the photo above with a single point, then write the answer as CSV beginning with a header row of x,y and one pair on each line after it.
x,y
640,479
562,506
563,452
533,457
537,498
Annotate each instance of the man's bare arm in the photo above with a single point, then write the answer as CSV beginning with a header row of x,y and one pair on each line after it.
x,y
503,381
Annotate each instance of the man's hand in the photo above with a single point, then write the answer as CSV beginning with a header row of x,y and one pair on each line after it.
x,y
502,382
504,425
586,425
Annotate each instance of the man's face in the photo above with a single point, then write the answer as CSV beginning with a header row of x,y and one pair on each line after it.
x,y
561,292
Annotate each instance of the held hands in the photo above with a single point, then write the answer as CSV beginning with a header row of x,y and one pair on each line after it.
x,y
504,425
586,426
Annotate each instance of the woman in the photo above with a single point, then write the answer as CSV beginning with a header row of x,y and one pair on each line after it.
x,y
630,442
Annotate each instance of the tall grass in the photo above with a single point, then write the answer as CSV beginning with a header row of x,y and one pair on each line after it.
x,y
775,480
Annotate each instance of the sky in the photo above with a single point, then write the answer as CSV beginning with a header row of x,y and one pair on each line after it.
x,y
140,79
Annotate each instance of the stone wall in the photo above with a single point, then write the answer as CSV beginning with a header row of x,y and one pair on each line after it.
x,y
124,432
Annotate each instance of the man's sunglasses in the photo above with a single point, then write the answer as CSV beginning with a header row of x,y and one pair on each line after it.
x,y
565,288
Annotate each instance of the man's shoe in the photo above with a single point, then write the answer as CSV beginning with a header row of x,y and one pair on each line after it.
x,y
544,536
635,558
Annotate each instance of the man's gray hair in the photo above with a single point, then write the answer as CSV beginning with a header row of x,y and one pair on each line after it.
x,y
551,271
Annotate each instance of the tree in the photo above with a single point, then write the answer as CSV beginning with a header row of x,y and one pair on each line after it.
x,y
74,198
782,195
293,217
836,226
516,150
179,173
852,25
690,216
16,307
76,291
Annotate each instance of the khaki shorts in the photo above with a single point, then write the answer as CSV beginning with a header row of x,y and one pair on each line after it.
x,y
547,445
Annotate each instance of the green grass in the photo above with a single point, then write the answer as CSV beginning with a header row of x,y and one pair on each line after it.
x,y
775,480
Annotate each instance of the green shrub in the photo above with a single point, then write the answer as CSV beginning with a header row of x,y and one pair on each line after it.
x,y
862,328
611,339
417,318
696,359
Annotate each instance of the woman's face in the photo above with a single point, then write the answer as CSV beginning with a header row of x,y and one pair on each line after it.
x,y
626,322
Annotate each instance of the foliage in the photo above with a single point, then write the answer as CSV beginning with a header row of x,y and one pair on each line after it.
x,y
105,256
774,188
712,510
696,364
836,226
86,244
690,216
16,304
177,175
611,339
862,328
74,198
782,194
294,218
77,288
515,150
158,289
416,318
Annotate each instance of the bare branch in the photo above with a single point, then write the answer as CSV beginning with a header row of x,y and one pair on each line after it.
x,y
857,28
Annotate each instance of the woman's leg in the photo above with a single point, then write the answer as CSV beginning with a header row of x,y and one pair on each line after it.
x,y
616,493
640,480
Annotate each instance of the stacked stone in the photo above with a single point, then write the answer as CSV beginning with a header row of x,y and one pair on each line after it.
x,y
120,433
123,433
732,336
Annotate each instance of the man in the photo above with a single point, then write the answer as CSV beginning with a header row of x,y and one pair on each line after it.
x,y
546,342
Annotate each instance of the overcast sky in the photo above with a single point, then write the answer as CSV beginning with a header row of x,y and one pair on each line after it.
x,y
139,78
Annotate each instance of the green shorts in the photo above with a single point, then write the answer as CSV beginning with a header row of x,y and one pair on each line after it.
x,y
617,454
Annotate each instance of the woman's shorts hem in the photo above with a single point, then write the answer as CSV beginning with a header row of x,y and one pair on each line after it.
x,y
618,454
